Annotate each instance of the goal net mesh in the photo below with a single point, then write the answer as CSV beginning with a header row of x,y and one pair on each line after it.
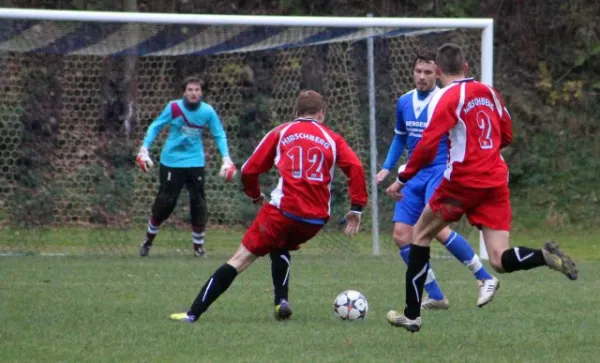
x,y
77,99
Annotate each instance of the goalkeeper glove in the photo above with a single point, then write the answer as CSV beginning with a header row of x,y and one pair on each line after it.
x,y
143,159
228,169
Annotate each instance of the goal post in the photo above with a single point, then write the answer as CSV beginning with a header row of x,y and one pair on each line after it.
x,y
362,29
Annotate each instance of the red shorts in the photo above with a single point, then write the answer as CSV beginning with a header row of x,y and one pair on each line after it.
x,y
271,230
484,207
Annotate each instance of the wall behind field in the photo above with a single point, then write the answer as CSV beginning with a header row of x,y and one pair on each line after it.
x,y
547,66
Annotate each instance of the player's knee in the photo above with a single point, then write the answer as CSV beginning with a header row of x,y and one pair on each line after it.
x,y
165,201
402,236
279,254
242,259
495,259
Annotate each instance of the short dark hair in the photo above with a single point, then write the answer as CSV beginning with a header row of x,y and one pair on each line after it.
x,y
189,80
309,103
424,55
450,58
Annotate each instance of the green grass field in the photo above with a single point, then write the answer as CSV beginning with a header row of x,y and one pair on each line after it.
x,y
115,309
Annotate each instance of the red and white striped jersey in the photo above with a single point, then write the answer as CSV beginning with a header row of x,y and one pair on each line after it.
x,y
305,154
479,126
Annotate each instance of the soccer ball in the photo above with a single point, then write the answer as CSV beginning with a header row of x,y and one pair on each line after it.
x,y
401,168
350,305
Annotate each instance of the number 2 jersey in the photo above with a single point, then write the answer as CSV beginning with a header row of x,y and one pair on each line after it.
x,y
305,154
478,125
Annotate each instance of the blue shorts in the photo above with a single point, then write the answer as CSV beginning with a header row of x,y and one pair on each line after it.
x,y
416,194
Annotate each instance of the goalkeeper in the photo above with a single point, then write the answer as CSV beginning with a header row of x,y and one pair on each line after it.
x,y
182,161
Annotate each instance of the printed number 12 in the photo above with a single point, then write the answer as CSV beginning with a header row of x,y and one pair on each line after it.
x,y
314,157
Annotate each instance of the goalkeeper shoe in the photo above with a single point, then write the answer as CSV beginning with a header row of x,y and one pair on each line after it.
x,y
183,317
400,321
432,304
559,261
487,291
145,248
283,310
199,250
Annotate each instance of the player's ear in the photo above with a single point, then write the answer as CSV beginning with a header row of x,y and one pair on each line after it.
x,y
438,71
466,68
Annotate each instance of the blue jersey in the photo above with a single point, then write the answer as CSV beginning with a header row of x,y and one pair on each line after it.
x,y
183,147
411,120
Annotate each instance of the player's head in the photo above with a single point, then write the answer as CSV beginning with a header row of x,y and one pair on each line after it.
x,y
311,104
424,71
450,61
192,92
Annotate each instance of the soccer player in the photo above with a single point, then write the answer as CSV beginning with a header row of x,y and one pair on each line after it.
x,y
475,182
182,161
305,154
411,118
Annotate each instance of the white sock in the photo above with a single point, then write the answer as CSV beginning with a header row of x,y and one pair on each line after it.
x,y
198,238
475,264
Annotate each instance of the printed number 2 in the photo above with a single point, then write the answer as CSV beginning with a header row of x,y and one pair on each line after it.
x,y
314,157
485,126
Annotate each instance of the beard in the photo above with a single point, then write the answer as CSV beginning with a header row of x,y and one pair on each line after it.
x,y
192,106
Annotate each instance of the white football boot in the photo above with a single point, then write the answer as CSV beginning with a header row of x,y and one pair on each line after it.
x,y
487,291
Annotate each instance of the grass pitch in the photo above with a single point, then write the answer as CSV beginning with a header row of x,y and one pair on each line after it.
x,y
115,309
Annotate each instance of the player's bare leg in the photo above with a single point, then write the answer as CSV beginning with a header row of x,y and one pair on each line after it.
x,y
460,248
506,259
217,284
434,298
426,228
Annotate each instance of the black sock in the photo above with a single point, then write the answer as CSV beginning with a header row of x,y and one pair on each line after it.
x,y
212,289
280,271
416,274
522,258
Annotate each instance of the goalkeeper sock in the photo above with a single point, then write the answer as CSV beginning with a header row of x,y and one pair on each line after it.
x,y
460,248
153,228
431,286
280,271
522,258
198,235
213,288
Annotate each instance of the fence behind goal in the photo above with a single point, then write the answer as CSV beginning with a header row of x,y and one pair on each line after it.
x,y
77,98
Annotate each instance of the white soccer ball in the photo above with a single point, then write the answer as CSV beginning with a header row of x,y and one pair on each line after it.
x,y
350,305
401,168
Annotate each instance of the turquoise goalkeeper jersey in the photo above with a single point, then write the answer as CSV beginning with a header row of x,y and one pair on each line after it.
x,y
183,147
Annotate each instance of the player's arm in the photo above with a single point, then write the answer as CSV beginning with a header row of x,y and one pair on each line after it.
x,y
157,125
216,129
442,118
399,142
351,166
143,158
261,161
228,170
506,133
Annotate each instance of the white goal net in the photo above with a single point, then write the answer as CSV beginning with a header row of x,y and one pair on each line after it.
x,y
77,97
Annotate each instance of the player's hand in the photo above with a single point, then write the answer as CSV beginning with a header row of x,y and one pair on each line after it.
x,y
395,190
143,160
228,169
383,173
352,219
259,201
